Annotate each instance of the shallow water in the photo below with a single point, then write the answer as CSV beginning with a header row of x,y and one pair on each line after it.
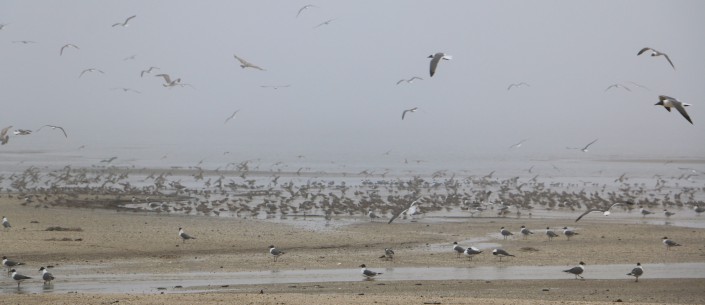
x,y
199,281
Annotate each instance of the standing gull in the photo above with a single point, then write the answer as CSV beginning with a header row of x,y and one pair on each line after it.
x,y
666,242
470,252
505,233
569,233
550,234
245,64
5,223
275,252
458,249
10,264
500,253
526,232
61,51
18,277
124,24
46,275
645,212
403,114
371,215
53,127
435,58
669,102
656,53
636,272
668,213
369,274
388,254
184,236
577,270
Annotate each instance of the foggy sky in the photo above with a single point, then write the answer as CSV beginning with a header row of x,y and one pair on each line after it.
x,y
343,95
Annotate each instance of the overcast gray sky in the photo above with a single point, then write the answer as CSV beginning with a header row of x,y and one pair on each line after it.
x,y
343,94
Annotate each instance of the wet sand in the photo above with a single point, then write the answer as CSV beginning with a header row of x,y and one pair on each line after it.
x,y
113,243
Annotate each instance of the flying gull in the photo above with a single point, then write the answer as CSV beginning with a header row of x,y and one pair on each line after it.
x,y
148,71
656,53
124,89
618,86
403,114
517,85
305,7
458,249
669,102
369,274
275,252
168,81
124,24
90,70
61,52
327,22
577,270
584,149
184,236
409,81
231,116
131,57
24,41
22,132
605,212
435,58
18,277
46,275
499,252
413,209
53,127
275,87
517,145
245,64
667,242
4,137
637,272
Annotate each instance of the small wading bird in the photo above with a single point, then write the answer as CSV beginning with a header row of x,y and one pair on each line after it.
x,y
435,59
669,102
656,53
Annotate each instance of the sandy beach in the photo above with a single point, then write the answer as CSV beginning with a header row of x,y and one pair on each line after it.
x,y
111,243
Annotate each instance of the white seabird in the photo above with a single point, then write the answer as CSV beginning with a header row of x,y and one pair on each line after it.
x,y
669,102
577,270
53,127
517,145
403,114
168,81
435,58
245,64
505,233
9,264
605,212
388,254
327,22
471,251
526,232
275,252
61,51
408,81
22,132
569,233
458,249
90,70
637,272
412,210
18,277
46,275
148,71
124,24
184,236
6,223
500,253
584,149
550,234
368,273
656,53
517,85
307,6
667,242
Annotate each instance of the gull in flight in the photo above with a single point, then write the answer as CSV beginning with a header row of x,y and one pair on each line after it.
x,y
409,81
275,87
90,70
46,275
3,25
618,86
413,209
24,41
307,6
327,22
231,116
669,102
124,24
125,89
4,137
369,274
577,270
657,53
584,149
61,52
54,128
517,145
436,58
517,85
168,81
148,71
245,64
131,57
605,212
637,272
22,132
275,252
403,114
184,236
